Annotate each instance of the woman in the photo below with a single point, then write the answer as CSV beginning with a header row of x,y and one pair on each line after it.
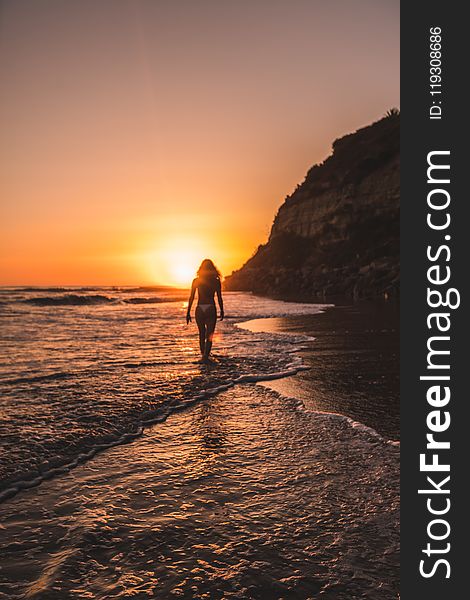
x,y
207,284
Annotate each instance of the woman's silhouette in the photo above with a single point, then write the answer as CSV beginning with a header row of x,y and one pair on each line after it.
x,y
207,284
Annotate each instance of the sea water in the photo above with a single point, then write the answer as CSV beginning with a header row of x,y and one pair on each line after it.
x,y
235,491
85,368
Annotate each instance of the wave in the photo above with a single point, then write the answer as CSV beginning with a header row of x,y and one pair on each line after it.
x,y
152,288
151,417
151,300
29,379
34,378
68,300
79,289
91,300
361,428
160,414
49,290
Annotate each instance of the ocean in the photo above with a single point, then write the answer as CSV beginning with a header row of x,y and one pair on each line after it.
x,y
86,368
130,470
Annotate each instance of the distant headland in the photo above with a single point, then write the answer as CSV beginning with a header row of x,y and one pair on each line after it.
x,y
337,234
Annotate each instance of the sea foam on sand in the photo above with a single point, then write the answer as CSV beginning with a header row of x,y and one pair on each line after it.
x,y
243,495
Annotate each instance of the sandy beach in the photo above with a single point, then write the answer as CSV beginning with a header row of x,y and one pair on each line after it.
x,y
353,364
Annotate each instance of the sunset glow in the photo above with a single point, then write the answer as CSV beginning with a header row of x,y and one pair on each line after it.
x,y
182,274
156,138
176,262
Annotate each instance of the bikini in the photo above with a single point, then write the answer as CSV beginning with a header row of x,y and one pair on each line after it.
x,y
205,308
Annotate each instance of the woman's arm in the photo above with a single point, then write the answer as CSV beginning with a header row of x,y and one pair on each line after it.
x,y
190,301
221,302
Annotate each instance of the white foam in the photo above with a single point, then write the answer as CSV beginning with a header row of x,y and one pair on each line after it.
x,y
361,428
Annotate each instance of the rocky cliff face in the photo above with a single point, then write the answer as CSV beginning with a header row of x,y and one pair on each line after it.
x,y
338,233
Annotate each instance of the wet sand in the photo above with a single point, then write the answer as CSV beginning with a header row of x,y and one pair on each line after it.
x,y
245,495
353,363
242,496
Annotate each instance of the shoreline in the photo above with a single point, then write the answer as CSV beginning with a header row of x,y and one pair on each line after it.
x,y
192,508
60,466
351,366
292,383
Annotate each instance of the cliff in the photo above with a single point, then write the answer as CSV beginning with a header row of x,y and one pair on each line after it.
x,y
338,233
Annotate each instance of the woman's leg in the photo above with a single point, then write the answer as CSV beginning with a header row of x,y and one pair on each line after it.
x,y
201,325
211,320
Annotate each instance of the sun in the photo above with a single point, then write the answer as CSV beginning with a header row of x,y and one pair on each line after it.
x,y
173,260
182,272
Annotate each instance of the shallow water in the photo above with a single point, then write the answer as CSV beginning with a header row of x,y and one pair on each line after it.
x,y
85,368
237,491
245,495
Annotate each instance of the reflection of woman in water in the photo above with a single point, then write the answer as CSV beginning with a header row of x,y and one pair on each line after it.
x,y
207,284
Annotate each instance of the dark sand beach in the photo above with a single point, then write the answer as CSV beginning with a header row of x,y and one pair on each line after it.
x,y
353,366
253,493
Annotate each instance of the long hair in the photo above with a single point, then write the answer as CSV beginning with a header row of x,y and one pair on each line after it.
x,y
208,271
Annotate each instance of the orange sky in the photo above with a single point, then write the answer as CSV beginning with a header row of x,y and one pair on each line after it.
x,y
140,136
